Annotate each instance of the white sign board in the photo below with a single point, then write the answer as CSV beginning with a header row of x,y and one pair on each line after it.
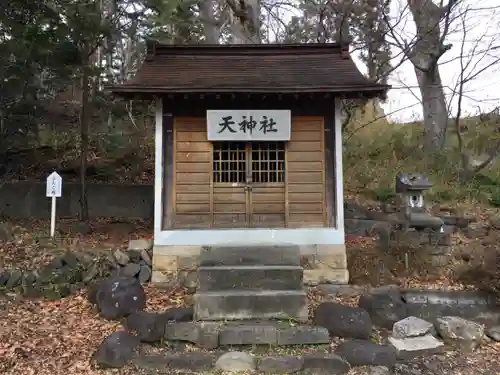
x,y
248,125
54,185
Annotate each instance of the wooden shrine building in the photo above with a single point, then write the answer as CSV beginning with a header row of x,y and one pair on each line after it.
x,y
249,149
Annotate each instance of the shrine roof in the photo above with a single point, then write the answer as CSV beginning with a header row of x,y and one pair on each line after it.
x,y
249,68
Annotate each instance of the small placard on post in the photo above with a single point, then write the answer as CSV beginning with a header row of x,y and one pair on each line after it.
x,y
54,191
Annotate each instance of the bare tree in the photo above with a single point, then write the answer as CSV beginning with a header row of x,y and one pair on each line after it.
x,y
245,21
424,50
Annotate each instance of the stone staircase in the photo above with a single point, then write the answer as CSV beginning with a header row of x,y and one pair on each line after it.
x,y
250,283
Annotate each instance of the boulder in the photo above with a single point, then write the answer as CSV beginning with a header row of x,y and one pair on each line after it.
x,y
325,364
343,321
119,297
464,334
131,270
121,257
116,350
144,273
280,365
385,306
366,353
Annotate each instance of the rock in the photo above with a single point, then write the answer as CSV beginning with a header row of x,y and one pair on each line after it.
x,y
15,278
494,333
179,314
92,292
84,259
116,350
70,259
119,297
146,257
412,327
236,362
343,321
140,244
462,333
385,307
5,232
149,327
4,277
144,274
408,348
135,256
280,365
325,364
130,270
366,353
121,257
90,273
378,370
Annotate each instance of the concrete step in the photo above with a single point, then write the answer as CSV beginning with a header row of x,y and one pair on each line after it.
x,y
250,256
250,278
240,305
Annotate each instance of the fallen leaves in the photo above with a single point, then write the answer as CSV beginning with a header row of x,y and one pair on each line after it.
x,y
59,337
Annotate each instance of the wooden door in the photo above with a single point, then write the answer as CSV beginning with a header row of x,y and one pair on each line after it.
x,y
249,185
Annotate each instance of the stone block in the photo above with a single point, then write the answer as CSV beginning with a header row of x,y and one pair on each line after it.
x,y
407,348
249,278
303,335
331,364
248,334
280,365
236,305
250,256
412,327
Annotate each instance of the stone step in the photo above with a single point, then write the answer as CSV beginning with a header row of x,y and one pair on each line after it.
x,y
240,305
250,256
250,278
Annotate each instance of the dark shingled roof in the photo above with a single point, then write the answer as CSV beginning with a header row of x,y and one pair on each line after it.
x,y
261,68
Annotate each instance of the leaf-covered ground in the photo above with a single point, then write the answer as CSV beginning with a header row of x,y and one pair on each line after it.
x,y
39,337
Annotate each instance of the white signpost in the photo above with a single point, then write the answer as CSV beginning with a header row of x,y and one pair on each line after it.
x,y
248,125
54,191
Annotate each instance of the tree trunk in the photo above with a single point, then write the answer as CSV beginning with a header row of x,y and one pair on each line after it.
x,y
434,109
245,21
210,29
84,147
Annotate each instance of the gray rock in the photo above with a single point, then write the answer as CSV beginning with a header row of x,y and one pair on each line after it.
x,y
343,321
118,297
378,370
325,364
366,353
280,365
70,259
130,270
4,276
412,327
15,278
149,327
140,244
116,350
465,334
121,257
385,306
144,274
407,348
494,333
236,362
146,257
91,273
